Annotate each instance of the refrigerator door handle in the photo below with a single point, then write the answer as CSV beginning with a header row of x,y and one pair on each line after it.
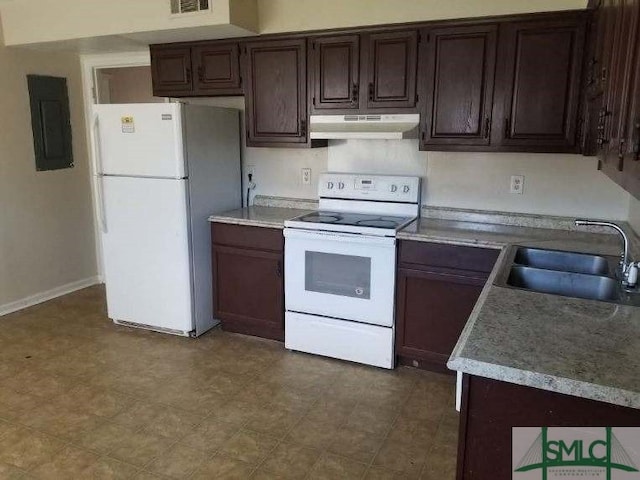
x,y
99,194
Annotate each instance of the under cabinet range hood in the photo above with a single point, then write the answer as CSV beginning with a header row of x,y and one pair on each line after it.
x,y
394,126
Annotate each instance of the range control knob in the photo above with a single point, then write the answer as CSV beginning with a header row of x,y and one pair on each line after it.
x,y
405,189
340,185
329,185
394,188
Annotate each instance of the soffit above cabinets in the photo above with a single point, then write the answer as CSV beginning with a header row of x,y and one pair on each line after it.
x,y
96,26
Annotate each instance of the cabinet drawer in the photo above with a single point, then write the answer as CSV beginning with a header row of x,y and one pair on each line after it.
x,y
455,257
242,236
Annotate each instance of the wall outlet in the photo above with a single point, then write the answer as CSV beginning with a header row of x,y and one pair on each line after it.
x,y
251,171
517,184
305,176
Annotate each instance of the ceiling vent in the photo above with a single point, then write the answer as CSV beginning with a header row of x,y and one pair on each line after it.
x,y
179,7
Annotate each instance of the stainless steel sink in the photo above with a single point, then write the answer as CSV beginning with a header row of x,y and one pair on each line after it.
x,y
568,284
568,274
562,261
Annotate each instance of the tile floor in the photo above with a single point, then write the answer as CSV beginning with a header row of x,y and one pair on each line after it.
x,y
83,398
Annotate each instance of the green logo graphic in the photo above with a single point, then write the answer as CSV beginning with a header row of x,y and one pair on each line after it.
x,y
605,453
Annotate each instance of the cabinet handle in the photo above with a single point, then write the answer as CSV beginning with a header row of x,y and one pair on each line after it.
x,y
601,127
200,73
621,148
635,148
371,92
507,128
279,269
487,127
303,128
188,75
354,93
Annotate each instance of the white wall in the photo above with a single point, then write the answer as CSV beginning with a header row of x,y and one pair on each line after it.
x,y
634,214
296,15
46,222
119,23
116,21
566,185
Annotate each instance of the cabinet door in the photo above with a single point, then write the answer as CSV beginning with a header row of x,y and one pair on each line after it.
x,y
432,308
617,96
217,68
541,63
335,63
630,148
276,92
458,85
491,408
171,71
249,291
593,87
391,60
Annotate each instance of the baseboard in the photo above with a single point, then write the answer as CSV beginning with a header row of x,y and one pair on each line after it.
x,y
48,295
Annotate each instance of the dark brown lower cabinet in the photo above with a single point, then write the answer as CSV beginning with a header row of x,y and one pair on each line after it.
x,y
434,308
248,280
491,408
437,288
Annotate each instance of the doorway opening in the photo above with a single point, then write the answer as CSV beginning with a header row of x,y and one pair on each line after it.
x,y
124,85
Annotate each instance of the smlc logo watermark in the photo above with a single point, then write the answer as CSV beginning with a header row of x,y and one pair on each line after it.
x,y
596,453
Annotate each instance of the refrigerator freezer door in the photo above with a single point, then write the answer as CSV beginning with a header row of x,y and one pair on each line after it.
x,y
140,140
146,252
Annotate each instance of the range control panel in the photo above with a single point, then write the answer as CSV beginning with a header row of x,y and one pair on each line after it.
x,y
388,188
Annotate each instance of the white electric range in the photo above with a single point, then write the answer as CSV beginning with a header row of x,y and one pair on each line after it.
x,y
340,267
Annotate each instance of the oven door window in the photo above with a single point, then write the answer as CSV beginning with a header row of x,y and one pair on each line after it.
x,y
334,274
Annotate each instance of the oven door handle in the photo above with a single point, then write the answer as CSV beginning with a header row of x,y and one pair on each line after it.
x,y
299,234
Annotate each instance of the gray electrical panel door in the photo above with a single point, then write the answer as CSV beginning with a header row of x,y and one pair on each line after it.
x,y
51,122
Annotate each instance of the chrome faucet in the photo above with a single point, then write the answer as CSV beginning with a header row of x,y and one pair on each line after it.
x,y
629,270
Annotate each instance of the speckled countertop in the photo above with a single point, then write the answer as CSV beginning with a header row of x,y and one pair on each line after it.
x,y
584,348
259,216
499,236
579,347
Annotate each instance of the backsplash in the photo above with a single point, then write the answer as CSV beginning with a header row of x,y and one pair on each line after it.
x,y
555,184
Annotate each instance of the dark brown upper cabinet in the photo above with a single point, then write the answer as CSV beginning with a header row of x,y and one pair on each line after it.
x,y
630,179
538,84
171,71
390,62
276,103
616,102
496,84
217,68
334,71
456,80
615,123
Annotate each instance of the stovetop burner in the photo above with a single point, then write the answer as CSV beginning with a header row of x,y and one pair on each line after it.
x,y
377,222
321,218
387,222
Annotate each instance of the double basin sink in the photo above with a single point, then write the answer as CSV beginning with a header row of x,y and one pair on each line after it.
x,y
568,274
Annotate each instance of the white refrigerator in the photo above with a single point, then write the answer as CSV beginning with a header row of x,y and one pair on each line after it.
x,y
162,169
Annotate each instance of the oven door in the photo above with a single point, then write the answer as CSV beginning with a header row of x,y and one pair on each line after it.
x,y
340,275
